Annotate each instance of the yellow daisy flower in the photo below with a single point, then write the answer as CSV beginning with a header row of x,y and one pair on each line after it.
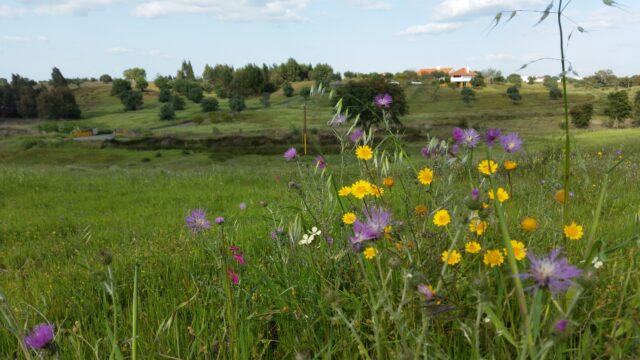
x,y
493,258
487,167
472,247
503,195
344,191
370,253
388,182
364,152
376,191
452,259
425,176
519,249
421,210
478,226
573,231
529,224
510,165
559,196
349,218
360,189
441,218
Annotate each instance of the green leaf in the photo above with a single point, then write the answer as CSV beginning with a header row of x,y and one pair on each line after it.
x,y
501,329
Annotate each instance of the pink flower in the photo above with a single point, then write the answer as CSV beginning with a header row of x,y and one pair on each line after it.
x,y
239,258
235,279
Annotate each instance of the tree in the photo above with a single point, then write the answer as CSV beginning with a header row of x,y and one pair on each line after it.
x,y
636,109
305,92
581,115
287,89
555,93
248,81
162,82
164,95
57,102
132,100
531,80
209,104
618,106
478,81
105,78
167,112
57,80
550,82
186,71
291,70
515,79
349,75
142,84
134,74
602,79
195,93
264,99
468,95
236,103
358,99
178,102
219,77
514,94
119,86
491,74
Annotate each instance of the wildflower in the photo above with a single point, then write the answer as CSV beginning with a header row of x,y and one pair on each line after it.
x,y
425,176
427,291
349,218
356,135
421,210
377,219
472,247
243,206
306,239
453,150
597,263
511,142
388,182
275,233
519,249
41,336
458,134
559,196
239,258
376,191
493,258
370,253
219,220
362,233
451,259
197,221
338,120
320,163
487,167
510,165
364,152
441,218
470,138
475,194
560,326
485,205
573,231
529,224
491,136
290,154
235,279
503,195
344,191
478,226
383,100
426,152
387,232
551,272
360,189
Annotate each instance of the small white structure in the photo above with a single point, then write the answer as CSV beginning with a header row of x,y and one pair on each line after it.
x,y
462,77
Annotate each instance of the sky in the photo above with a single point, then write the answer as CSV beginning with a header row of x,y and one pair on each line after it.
x,y
87,38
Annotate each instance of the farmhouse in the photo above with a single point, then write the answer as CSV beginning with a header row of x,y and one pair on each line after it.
x,y
462,77
428,71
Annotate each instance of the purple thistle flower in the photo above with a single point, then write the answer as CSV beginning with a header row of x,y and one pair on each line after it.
x,y
470,137
383,100
475,194
551,272
290,154
560,326
243,206
355,135
39,337
219,220
426,152
361,233
458,134
511,142
197,221
320,163
235,279
377,219
426,291
454,149
491,136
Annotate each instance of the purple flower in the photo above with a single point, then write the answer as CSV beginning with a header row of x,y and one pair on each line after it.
x,y
426,152
355,135
40,336
275,233
426,291
560,326
338,120
475,193
511,142
618,152
235,279
383,100
491,136
243,206
453,150
377,219
197,221
320,163
290,154
551,272
239,258
361,233
458,134
219,220
470,137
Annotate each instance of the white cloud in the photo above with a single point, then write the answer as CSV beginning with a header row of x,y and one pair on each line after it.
x,y
430,28
373,4
458,9
118,50
238,10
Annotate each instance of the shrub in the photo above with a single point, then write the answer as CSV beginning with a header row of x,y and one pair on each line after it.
x,y
287,89
119,86
618,107
636,109
468,95
167,112
106,78
132,100
236,103
581,115
264,99
178,102
164,95
305,92
555,94
198,119
195,94
514,94
222,92
209,104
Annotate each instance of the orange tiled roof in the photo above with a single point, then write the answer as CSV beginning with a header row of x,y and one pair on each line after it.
x,y
463,72
445,70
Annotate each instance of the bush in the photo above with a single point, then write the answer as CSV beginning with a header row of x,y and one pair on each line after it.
x,y
636,109
209,104
555,94
132,100
618,107
236,103
178,102
106,78
581,115
167,112
514,94
468,95
120,86
287,89
198,119
305,92
222,92
195,94
264,99
164,95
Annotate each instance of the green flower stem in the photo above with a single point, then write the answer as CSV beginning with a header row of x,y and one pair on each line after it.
x,y
454,240
567,142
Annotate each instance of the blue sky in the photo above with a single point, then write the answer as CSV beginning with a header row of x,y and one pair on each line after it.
x,y
92,37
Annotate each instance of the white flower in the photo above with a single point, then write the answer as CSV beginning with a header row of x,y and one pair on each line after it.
x,y
314,232
306,239
597,263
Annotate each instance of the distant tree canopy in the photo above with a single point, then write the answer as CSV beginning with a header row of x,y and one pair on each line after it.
x,y
555,93
636,109
531,80
515,79
162,82
24,98
236,103
248,80
209,104
118,86
134,74
186,71
131,99
105,78
478,81
550,82
287,89
602,79
322,74
581,115
492,75
358,98
513,92
618,106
